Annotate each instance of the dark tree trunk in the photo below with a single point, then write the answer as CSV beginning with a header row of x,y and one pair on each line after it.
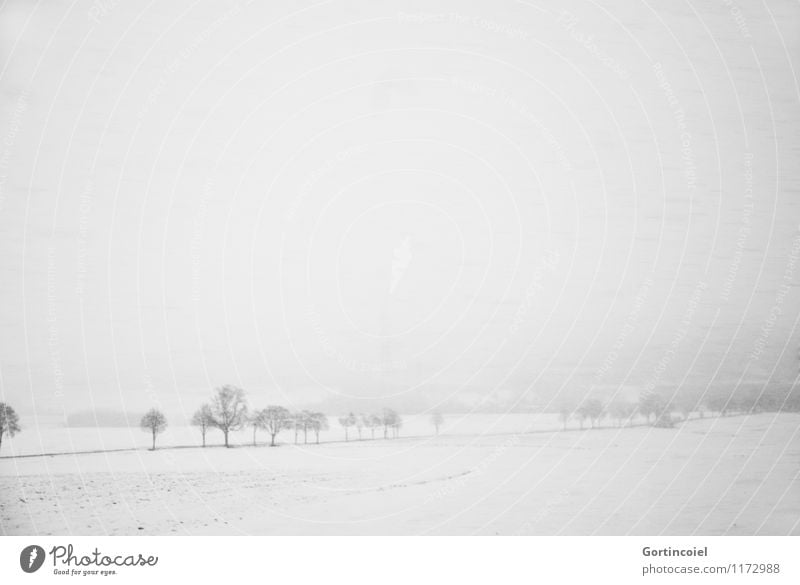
x,y
204,437
225,432
272,439
154,439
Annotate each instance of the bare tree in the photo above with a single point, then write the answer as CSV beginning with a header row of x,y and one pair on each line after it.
x,y
154,422
297,424
203,418
371,422
437,419
374,422
388,419
397,424
9,422
652,404
303,421
565,410
347,422
318,422
229,410
360,424
274,420
592,409
621,411
256,420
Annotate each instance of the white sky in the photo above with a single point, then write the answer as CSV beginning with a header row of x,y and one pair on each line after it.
x,y
486,199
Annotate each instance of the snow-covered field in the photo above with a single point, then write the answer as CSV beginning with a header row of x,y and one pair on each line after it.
x,y
735,475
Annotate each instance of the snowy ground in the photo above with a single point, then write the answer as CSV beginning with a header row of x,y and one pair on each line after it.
x,y
735,475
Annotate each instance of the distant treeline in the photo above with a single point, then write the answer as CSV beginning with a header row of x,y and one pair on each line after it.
x,y
664,408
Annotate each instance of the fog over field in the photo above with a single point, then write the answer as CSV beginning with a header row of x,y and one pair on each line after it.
x,y
575,228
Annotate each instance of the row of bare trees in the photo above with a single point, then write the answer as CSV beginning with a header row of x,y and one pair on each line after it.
x,y
228,411
651,406
388,419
